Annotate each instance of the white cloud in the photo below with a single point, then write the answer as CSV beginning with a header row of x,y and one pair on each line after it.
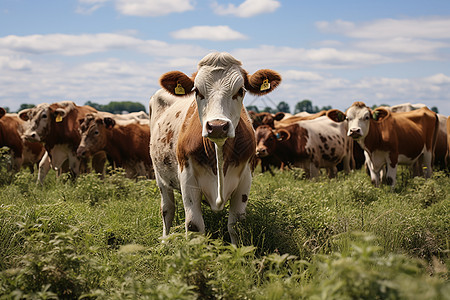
x,y
420,28
152,8
248,8
89,6
301,75
14,63
212,33
84,44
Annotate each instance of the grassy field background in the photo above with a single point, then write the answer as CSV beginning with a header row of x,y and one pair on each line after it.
x,y
322,239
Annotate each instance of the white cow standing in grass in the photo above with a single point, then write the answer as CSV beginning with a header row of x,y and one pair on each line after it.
x,y
202,141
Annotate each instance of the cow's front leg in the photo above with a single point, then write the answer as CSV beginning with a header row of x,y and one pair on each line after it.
x,y
391,175
239,203
191,194
44,167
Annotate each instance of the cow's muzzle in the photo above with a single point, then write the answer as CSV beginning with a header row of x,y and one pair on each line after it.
x,y
355,133
261,152
217,129
81,151
32,137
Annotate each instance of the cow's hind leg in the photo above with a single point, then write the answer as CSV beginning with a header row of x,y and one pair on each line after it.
x,y
428,164
239,203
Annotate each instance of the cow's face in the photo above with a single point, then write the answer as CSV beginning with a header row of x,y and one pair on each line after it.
x,y
93,134
219,87
38,122
267,139
358,118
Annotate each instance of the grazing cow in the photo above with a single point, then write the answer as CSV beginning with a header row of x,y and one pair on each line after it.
x,y
310,144
126,144
202,141
56,126
22,152
390,139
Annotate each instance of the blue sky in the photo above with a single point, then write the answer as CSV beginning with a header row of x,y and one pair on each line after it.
x,y
331,52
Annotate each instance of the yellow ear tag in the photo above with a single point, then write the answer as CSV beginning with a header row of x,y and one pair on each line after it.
x,y
265,85
58,118
179,90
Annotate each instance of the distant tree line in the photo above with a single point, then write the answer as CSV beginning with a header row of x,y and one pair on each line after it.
x,y
118,107
301,106
305,106
112,107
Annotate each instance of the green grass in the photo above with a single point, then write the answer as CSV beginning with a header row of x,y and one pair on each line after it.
x,y
302,239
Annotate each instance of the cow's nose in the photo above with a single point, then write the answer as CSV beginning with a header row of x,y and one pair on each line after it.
x,y
33,135
261,152
217,129
354,132
81,152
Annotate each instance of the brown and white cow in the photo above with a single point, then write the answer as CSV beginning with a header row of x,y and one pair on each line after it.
x,y
22,152
202,141
265,118
390,139
56,126
309,144
440,149
125,143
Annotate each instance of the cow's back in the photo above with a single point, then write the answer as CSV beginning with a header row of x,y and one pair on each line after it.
x,y
167,114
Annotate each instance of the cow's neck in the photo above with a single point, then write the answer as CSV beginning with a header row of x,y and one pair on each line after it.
x,y
373,140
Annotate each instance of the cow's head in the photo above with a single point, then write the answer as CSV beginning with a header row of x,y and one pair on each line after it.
x,y
219,86
38,120
267,139
93,134
359,118
2,112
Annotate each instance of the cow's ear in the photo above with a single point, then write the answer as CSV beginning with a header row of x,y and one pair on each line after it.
x,y
109,122
2,112
282,134
23,114
177,83
262,81
380,114
278,116
336,115
60,114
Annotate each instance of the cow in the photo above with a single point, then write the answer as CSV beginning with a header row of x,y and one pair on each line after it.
x,y
265,118
125,143
440,149
56,126
22,152
309,144
389,139
447,156
202,140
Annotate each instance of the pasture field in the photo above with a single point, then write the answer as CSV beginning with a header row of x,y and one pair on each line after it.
x,y
323,239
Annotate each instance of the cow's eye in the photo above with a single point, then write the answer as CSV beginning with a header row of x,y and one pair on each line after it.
x,y
239,93
96,132
44,116
270,138
367,118
198,94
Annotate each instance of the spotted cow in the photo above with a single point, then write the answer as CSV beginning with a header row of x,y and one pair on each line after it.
x,y
309,144
391,138
202,140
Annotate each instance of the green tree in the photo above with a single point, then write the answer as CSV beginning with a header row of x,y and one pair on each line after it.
x,y
25,106
283,107
117,107
305,105
269,110
435,109
253,108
